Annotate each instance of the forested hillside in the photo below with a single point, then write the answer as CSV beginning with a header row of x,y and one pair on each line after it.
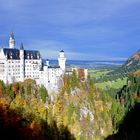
x,y
79,111
132,64
129,98
122,72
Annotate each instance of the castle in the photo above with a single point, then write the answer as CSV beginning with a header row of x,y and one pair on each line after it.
x,y
20,64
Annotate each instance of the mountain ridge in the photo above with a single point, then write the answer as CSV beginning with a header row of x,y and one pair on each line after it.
x,y
132,64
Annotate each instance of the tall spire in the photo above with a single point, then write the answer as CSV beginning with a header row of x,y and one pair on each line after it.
x,y
12,41
12,35
21,46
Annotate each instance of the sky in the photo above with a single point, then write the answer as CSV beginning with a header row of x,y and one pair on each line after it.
x,y
84,29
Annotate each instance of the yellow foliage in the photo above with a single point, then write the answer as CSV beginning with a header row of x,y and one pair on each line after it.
x,y
42,111
108,106
76,128
19,101
65,120
136,72
58,107
100,105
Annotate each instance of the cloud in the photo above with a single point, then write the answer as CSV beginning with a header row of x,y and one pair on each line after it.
x,y
109,27
48,48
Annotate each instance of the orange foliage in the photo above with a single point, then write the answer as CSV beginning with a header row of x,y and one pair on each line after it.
x,y
66,82
15,88
136,72
12,127
81,73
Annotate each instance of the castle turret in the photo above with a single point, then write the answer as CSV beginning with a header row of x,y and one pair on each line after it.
x,y
62,60
47,62
22,70
12,41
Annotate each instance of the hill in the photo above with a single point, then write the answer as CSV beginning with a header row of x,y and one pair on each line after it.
x,y
132,64
129,98
133,61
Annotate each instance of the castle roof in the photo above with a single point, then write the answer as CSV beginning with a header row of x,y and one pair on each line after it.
x,y
32,54
14,54
55,67
11,53
61,51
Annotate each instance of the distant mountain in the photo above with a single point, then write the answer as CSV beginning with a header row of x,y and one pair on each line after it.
x,y
131,65
133,61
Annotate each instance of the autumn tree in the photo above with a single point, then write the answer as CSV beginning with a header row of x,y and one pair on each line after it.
x,y
43,93
15,88
2,88
74,80
66,83
81,73
10,92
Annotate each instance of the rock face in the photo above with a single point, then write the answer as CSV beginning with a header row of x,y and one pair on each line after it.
x,y
133,61
132,64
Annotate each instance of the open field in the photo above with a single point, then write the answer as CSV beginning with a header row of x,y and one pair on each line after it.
x,y
98,73
116,84
112,84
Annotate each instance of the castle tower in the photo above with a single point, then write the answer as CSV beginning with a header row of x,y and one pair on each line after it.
x,y
62,60
47,62
22,65
12,41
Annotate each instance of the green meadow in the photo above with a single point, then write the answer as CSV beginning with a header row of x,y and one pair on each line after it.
x,y
116,84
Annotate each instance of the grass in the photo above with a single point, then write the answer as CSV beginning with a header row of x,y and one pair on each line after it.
x,y
98,73
118,83
112,84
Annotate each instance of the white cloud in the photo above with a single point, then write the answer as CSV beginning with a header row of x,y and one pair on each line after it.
x,y
48,48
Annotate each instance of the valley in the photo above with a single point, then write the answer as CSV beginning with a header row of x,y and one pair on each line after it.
x,y
101,103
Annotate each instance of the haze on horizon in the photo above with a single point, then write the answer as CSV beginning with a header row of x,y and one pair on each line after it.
x,y
87,30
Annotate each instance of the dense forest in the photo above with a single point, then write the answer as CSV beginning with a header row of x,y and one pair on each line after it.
x,y
80,111
129,98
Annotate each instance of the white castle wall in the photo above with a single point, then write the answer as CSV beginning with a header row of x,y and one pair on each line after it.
x,y
14,70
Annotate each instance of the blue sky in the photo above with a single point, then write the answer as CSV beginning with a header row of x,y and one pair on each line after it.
x,y
84,29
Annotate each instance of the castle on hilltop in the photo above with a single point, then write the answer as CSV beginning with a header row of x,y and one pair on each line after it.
x,y
20,64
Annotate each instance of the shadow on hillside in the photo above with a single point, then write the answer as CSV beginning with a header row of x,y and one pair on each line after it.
x,y
129,129
15,127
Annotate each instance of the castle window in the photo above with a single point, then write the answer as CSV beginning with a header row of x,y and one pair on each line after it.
x,y
11,56
28,56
